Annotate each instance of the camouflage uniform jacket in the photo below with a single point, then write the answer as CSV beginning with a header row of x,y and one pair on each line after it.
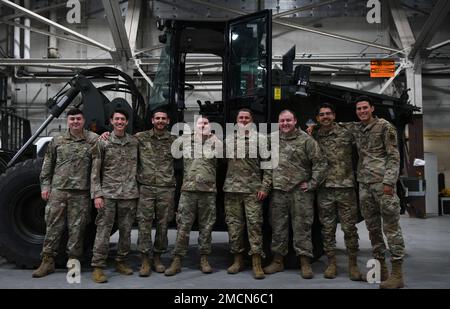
x,y
155,166
379,159
67,162
114,168
336,146
300,159
199,174
244,175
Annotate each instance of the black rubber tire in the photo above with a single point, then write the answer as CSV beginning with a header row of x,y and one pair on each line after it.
x,y
3,164
22,223
5,157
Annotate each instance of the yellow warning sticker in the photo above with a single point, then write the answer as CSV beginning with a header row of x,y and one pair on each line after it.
x,y
277,93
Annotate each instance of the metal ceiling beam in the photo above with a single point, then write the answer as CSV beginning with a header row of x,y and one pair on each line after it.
x,y
339,37
125,33
340,68
147,49
413,68
40,10
303,8
77,62
390,80
401,24
434,21
438,69
194,62
56,25
132,21
415,9
439,45
43,32
208,62
395,37
118,31
203,67
414,82
216,6
299,27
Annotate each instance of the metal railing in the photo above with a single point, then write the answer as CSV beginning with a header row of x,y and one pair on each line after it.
x,y
14,131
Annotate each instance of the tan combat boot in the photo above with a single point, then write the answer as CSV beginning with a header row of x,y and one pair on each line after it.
x,y
123,268
204,265
159,267
306,270
331,270
98,276
353,271
384,271
276,265
175,267
146,265
47,267
258,272
395,281
238,264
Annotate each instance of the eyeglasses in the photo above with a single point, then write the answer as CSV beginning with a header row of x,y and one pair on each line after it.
x,y
326,114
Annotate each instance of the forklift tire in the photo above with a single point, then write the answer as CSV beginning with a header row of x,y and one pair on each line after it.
x,y
22,223
3,165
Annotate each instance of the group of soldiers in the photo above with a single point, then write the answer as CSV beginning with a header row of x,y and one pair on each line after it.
x,y
132,178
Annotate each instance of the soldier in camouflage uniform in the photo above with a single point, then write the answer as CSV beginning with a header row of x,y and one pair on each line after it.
x,y
114,189
157,187
300,171
336,197
378,170
65,183
245,188
198,195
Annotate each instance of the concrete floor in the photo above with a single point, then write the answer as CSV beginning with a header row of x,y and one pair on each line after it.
x,y
427,265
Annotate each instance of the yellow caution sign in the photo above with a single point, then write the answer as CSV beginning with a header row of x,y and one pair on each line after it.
x,y
277,93
382,68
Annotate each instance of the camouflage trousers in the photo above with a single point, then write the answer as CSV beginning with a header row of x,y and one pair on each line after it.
x,y
242,208
200,205
382,213
154,203
339,203
126,213
66,209
297,206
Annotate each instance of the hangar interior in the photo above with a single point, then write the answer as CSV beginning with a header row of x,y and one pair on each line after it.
x,y
44,43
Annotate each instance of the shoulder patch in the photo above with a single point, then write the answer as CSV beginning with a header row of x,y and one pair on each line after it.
x,y
392,135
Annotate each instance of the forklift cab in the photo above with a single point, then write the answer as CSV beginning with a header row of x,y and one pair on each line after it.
x,y
241,46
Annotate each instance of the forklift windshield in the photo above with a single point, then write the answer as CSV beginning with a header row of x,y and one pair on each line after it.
x,y
248,58
160,92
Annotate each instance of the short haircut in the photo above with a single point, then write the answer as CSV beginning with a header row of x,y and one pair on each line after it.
x,y
203,116
75,111
120,111
364,98
160,110
287,111
246,110
325,105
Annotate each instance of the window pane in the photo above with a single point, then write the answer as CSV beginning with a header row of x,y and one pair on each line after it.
x,y
248,58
